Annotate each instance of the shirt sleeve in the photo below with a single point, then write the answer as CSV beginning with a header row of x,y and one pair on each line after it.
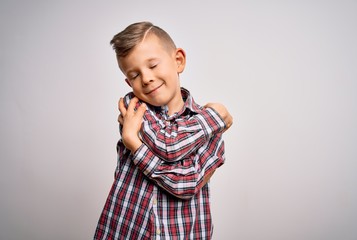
x,y
175,140
184,178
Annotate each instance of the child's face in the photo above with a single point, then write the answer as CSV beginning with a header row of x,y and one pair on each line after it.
x,y
153,72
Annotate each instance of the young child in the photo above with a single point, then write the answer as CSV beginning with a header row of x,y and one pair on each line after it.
x,y
170,146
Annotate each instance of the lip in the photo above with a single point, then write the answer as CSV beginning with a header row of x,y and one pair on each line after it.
x,y
154,89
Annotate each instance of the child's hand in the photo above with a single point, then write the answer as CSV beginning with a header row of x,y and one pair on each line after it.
x,y
131,120
223,112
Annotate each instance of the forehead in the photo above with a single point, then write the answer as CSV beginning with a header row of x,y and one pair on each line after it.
x,y
151,47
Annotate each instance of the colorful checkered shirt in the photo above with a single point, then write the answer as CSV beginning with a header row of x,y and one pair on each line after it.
x,y
157,192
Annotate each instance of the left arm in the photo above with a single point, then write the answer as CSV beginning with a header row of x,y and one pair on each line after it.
x,y
175,140
184,178
181,137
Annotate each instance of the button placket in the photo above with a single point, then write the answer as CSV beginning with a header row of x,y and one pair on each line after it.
x,y
154,203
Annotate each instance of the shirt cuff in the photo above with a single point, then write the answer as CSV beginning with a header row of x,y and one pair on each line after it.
x,y
211,122
145,160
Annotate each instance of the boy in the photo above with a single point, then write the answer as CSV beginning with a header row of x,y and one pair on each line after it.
x,y
170,146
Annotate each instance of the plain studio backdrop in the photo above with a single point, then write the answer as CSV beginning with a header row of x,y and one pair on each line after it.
x,y
286,70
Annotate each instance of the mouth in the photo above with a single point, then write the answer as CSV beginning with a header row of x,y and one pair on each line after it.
x,y
153,90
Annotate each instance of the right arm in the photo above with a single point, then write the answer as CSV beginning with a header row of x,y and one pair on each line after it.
x,y
173,141
181,137
182,179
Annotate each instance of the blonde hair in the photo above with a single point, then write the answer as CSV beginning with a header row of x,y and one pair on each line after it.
x,y
126,40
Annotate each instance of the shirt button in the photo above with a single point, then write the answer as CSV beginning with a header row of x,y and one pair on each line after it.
x,y
154,201
158,231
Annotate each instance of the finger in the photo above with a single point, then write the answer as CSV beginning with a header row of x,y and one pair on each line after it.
x,y
122,108
229,123
207,105
121,119
229,118
132,104
141,110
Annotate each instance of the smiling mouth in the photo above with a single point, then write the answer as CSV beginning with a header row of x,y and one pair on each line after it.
x,y
153,90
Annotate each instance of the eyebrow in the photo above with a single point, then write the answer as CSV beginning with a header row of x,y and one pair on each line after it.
x,y
148,61
152,59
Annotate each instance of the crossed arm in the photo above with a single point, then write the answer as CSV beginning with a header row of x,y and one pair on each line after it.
x,y
182,136
158,157
131,119
185,178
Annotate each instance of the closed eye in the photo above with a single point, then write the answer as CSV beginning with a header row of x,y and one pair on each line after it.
x,y
133,76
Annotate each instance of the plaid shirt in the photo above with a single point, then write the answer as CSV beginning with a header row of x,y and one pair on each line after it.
x,y
157,192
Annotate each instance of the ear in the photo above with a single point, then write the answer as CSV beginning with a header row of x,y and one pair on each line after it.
x,y
128,82
180,57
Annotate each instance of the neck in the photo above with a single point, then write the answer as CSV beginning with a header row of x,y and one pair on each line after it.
x,y
175,106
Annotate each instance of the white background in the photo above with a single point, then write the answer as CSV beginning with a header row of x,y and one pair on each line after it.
x,y
287,71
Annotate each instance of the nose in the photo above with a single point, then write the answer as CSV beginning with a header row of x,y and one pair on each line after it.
x,y
146,77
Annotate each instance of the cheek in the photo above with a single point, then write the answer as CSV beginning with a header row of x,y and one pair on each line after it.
x,y
164,70
136,85
137,90
168,74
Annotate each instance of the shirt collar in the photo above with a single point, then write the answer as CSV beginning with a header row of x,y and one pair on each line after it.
x,y
189,105
189,102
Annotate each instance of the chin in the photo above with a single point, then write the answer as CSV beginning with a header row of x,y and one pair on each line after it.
x,y
157,103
